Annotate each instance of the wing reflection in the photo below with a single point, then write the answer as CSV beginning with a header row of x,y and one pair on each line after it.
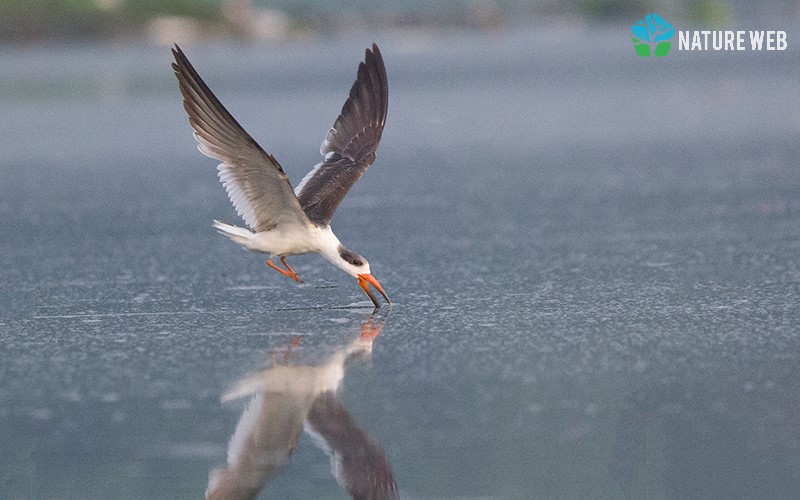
x,y
287,399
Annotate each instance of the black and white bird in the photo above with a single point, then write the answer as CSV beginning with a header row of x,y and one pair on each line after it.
x,y
283,221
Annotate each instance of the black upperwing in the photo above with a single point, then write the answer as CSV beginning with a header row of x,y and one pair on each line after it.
x,y
349,148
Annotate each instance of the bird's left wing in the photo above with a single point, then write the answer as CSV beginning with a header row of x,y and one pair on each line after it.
x,y
350,145
256,184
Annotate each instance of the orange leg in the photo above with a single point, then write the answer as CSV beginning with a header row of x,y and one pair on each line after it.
x,y
294,274
290,273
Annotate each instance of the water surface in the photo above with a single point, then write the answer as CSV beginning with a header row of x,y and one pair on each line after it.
x,y
594,260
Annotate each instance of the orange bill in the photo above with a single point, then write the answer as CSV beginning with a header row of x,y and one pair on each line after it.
x,y
363,279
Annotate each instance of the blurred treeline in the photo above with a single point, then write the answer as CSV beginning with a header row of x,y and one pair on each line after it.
x,y
33,20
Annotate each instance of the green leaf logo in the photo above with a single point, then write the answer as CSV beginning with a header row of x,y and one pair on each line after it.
x,y
651,36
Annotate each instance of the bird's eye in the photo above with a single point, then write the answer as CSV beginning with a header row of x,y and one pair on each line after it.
x,y
357,262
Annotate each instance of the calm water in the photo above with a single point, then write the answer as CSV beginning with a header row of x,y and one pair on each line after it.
x,y
595,261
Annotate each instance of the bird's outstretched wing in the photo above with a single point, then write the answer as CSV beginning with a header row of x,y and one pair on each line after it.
x,y
349,148
256,184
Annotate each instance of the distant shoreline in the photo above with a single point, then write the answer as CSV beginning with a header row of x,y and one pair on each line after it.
x,y
178,20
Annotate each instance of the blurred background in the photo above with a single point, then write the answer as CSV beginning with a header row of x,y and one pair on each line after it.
x,y
165,21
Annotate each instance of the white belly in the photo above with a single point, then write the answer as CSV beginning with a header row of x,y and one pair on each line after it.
x,y
291,240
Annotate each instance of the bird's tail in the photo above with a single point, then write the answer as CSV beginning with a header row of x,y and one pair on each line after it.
x,y
240,235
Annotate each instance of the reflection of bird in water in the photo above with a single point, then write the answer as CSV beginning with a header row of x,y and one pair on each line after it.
x,y
286,399
283,221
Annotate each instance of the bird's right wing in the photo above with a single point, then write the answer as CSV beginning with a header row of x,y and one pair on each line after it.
x,y
256,184
350,145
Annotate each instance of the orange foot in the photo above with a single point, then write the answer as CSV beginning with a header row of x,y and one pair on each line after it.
x,y
286,272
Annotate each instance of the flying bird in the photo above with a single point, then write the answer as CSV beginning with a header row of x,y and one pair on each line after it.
x,y
282,221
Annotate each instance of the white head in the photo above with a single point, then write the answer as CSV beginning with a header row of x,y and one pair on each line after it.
x,y
356,266
351,263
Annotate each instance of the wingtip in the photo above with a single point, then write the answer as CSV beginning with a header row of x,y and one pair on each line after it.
x,y
181,61
373,58
374,51
179,57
